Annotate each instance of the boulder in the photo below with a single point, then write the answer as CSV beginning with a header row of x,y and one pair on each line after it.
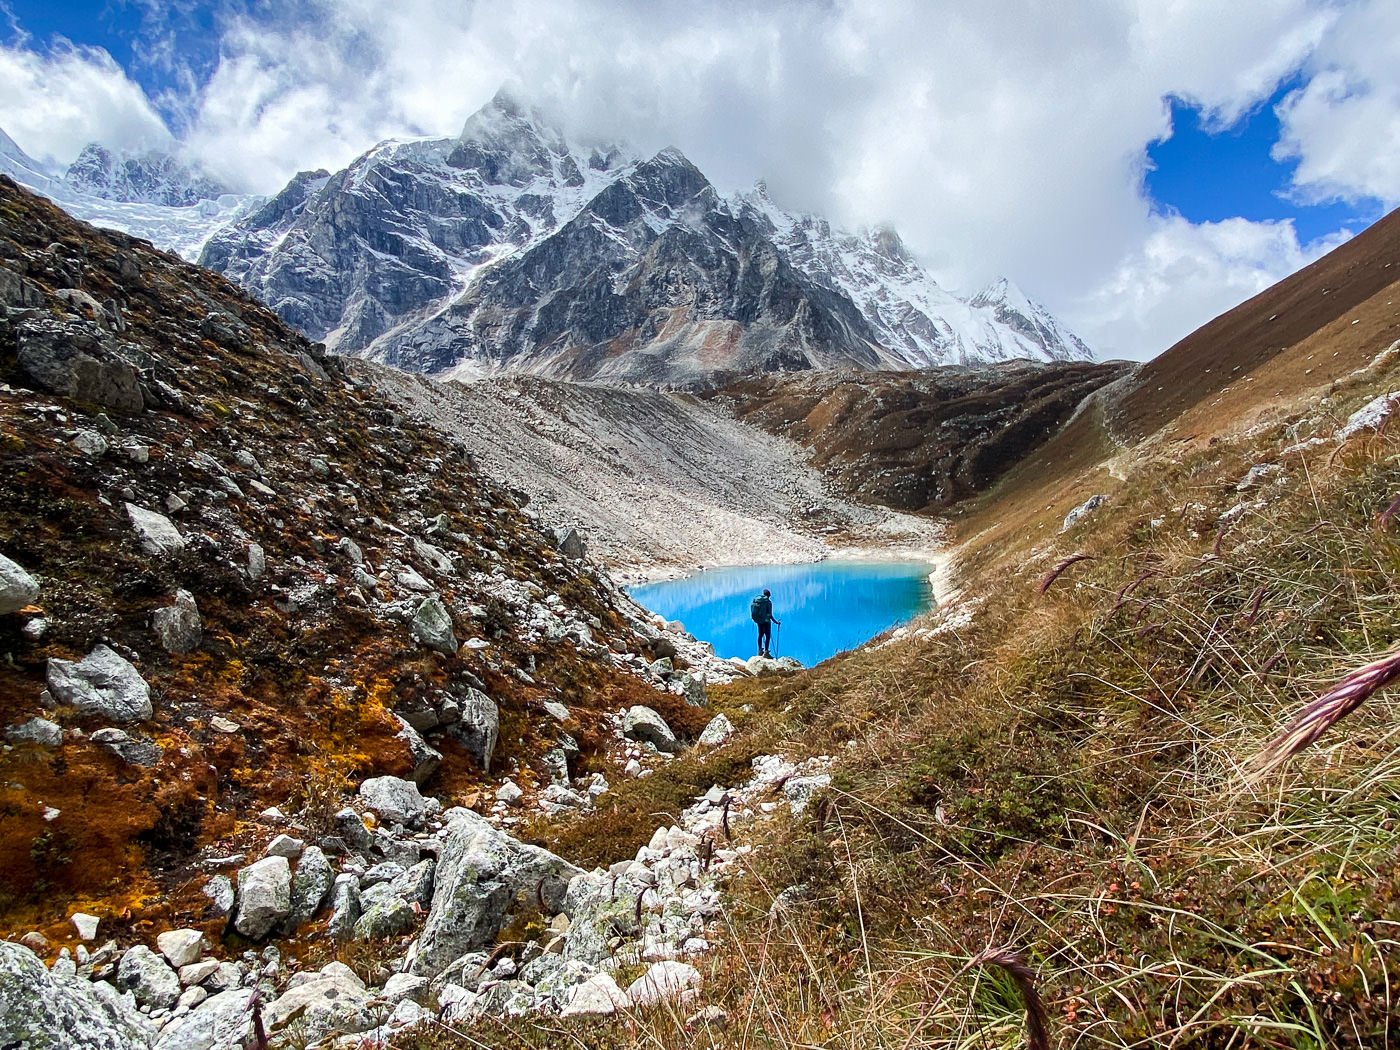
x,y
387,918
137,751
285,846
181,947
1082,511
102,684
78,359
157,533
432,626
599,995
409,986
717,731
332,1002
424,756
178,627
222,1022
312,882
483,878
664,982
17,587
345,906
36,731
478,726
42,1009
85,925
644,724
394,799
569,543
264,897
146,975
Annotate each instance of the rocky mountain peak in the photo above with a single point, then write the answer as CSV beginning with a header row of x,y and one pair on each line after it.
x,y
147,177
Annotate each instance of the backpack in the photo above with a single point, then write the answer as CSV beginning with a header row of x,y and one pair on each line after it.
x,y
761,609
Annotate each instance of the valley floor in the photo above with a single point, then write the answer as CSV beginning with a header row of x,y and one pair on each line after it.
x,y
660,484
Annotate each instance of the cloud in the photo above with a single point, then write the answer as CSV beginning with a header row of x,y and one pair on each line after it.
x,y
56,103
1343,125
1184,274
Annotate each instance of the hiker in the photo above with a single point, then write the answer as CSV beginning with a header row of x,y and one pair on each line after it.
x,y
761,609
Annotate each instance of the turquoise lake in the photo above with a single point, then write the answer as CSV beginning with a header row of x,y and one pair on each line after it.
x,y
826,607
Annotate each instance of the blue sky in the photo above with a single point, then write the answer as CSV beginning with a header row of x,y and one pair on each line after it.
x,y
1138,167
1207,173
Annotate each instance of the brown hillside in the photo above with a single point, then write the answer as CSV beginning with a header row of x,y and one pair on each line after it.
x,y
1258,330
918,440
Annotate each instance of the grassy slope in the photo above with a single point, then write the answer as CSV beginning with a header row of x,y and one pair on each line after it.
x,y
1067,774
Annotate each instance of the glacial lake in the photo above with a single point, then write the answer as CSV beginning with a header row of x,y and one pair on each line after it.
x,y
826,607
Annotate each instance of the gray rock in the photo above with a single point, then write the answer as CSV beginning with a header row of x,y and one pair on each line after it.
x,y
478,726
570,544
219,890
36,731
198,972
416,884
408,986
394,799
332,1002
434,557
599,995
432,626
257,562
17,587
157,533
484,877
644,724
600,908
91,443
719,730
85,925
310,885
509,793
285,846
667,981
44,1010
101,684
179,627
345,907
350,826
1082,511
78,359
264,897
145,975
693,688
137,751
222,1022
387,918
426,758
181,947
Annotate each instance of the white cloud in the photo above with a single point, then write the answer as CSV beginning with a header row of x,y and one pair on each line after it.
x,y
1184,274
56,104
1002,137
1343,125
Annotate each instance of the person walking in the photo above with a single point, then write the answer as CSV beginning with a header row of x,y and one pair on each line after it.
x,y
761,609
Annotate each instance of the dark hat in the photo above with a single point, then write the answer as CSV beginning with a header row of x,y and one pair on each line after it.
x,y
767,593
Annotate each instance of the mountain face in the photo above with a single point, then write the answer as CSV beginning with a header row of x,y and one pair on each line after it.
x,y
149,195
510,249
906,308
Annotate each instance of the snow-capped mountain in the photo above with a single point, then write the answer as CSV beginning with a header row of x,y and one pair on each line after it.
x,y
409,225
149,195
908,310
509,248
149,177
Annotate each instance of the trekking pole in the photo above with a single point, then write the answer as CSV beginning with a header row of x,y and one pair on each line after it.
x,y
778,645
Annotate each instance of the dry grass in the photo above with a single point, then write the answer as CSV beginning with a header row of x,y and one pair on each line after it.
x,y
1070,774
